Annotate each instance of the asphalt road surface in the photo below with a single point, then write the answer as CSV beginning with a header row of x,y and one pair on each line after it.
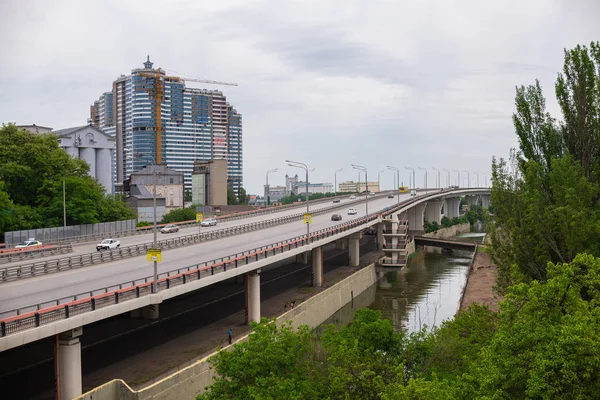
x,y
43,289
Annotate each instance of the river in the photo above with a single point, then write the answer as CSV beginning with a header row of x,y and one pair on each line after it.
x,y
425,293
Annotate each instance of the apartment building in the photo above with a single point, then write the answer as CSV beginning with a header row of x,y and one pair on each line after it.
x,y
197,125
354,187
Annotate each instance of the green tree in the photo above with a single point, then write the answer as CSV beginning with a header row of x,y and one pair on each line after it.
x,y
231,198
187,196
180,215
275,362
243,198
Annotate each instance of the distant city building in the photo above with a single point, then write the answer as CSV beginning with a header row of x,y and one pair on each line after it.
x,y
276,193
169,191
291,182
313,188
354,187
35,128
209,183
197,125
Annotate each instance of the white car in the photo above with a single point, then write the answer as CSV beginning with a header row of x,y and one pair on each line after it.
x,y
28,243
209,222
372,194
352,211
108,244
352,197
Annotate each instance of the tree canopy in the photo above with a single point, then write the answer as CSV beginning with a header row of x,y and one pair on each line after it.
x,y
32,169
546,195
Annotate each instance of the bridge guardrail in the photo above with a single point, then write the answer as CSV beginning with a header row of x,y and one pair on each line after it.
x,y
6,258
41,314
83,260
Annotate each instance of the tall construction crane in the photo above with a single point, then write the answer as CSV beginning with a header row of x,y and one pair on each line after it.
x,y
158,93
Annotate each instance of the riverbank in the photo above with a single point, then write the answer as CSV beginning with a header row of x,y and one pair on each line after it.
x,y
482,279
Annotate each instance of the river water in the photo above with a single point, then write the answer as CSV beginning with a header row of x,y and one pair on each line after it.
x,y
425,293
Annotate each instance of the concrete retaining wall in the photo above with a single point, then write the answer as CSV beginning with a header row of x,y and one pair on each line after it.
x,y
190,381
450,232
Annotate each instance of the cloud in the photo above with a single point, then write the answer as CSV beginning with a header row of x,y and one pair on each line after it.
x,y
331,83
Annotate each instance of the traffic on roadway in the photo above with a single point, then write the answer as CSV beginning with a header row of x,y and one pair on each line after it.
x,y
44,289
90,247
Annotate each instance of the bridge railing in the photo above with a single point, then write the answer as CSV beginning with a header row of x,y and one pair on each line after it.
x,y
24,271
44,313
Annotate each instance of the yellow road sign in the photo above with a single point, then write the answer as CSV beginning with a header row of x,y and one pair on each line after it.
x,y
199,217
307,218
154,255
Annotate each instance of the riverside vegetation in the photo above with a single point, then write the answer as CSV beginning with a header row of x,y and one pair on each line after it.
x,y
543,343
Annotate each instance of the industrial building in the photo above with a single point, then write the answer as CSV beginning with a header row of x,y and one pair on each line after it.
x,y
300,187
156,119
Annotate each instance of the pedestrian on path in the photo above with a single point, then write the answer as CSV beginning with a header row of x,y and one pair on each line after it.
x,y
293,304
285,306
230,333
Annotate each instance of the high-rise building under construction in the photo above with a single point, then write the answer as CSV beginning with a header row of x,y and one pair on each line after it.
x,y
156,119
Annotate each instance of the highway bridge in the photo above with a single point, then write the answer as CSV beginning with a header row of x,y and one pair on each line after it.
x,y
62,303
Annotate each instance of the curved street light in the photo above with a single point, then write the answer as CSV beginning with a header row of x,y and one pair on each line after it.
x,y
458,180
378,179
468,179
439,182
396,181
448,171
268,189
414,183
364,169
303,166
424,169
477,175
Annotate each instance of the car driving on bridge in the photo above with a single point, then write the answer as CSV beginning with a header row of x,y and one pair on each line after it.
x,y
209,222
352,211
108,244
28,243
390,196
336,217
353,197
169,228
336,200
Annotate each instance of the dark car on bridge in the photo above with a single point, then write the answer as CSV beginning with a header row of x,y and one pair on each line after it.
x,y
336,217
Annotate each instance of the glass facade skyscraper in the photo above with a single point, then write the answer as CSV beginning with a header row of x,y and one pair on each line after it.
x,y
197,125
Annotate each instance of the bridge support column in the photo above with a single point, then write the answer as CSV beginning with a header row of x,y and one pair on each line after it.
x,y
380,236
472,200
415,217
485,201
147,312
452,209
317,266
354,249
434,211
302,258
341,244
253,296
69,363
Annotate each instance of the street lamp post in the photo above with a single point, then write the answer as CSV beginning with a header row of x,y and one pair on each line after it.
x,y
424,169
378,179
303,166
439,181
477,175
364,169
414,183
268,194
448,171
485,180
335,179
64,207
458,179
396,181
468,179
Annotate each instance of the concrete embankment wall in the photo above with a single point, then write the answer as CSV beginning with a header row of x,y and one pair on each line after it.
x,y
449,232
190,381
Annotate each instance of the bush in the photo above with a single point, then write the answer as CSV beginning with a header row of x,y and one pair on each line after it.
x,y
141,224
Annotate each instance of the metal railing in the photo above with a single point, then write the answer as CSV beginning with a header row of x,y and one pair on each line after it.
x,y
62,264
14,256
44,313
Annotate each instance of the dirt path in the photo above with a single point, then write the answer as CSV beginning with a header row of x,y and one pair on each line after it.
x,y
482,279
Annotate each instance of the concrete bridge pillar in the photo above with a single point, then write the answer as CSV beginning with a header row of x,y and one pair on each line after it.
x,y
380,236
415,217
354,249
341,244
485,201
317,266
302,258
452,209
69,364
147,312
434,211
253,296
472,200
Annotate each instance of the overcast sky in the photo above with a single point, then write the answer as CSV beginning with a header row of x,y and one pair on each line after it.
x,y
329,83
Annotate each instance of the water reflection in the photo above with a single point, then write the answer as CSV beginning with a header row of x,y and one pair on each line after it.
x,y
425,293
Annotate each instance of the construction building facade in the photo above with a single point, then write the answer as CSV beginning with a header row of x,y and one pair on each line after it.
x,y
156,119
